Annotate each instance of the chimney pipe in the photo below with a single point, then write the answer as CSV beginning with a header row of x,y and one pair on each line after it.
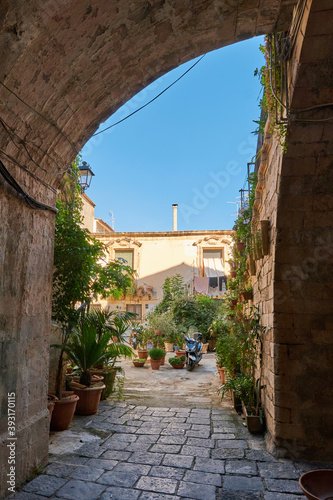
x,y
174,206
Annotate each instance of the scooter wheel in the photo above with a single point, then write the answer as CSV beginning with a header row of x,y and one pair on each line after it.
x,y
190,365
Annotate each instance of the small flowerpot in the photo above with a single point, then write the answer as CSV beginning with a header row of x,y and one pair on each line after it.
x,y
246,296
221,370
139,364
240,246
180,353
63,413
143,353
254,423
155,364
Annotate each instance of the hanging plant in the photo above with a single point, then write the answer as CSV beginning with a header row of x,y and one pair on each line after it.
x,y
270,75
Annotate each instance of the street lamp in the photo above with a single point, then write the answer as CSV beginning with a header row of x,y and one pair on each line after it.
x,y
85,176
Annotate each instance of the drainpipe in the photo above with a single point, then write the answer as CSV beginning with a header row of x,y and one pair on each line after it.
x,y
174,207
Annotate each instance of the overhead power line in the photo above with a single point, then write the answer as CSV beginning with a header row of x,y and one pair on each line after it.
x,y
152,100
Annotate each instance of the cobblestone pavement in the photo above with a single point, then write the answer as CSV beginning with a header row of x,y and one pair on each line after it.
x,y
150,453
130,451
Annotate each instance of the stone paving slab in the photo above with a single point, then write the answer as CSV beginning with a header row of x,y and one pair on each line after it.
x,y
194,454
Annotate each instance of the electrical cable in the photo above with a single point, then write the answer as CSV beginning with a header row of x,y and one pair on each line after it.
x,y
152,100
42,116
34,176
24,143
27,198
5,126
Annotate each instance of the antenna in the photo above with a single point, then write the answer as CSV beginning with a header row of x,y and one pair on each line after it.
x,y
110,214
237,204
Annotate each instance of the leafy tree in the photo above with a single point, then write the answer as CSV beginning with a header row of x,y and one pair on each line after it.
x,y
81,272
173,288
196,311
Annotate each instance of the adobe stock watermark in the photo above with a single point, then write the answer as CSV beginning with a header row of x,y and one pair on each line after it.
x,y
11,444
212,189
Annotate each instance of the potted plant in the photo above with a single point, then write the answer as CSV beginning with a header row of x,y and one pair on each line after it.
x,y
156,354
139,362
247,294
179,342
88,348
116,323
177,362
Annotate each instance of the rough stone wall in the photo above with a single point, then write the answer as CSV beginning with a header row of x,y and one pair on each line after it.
x,y
75,63
26,254
66,67
296,279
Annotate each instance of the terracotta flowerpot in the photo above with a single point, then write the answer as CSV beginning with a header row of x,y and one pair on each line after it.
x,y
180,353
143,353
63,412
247,296
317,484
205,348
240,245
163,361
89,399
155,364
108,375
139,364
178,367
221,371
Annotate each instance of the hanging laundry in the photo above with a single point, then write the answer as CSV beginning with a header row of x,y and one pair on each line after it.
x,y
213,282
201,284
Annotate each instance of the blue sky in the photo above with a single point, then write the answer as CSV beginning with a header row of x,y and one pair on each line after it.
x,y
190,146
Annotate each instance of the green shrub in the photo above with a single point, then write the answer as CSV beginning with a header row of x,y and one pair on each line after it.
x,y
156,353
177,361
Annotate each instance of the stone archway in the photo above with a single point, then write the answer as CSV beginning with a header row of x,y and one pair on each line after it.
x,y
65,68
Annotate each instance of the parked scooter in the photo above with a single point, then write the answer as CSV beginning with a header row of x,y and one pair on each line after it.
x,y
136,337
193,351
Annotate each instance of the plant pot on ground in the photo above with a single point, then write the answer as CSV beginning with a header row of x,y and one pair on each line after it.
x,y
142,353
63,412
156,354
89,398
177,362
109,376
89,347
254,423
221,370
139,362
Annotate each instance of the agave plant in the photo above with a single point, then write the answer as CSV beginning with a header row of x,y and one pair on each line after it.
x,y
89,347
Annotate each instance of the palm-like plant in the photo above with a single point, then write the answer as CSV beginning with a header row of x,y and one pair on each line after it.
x,y
89,347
